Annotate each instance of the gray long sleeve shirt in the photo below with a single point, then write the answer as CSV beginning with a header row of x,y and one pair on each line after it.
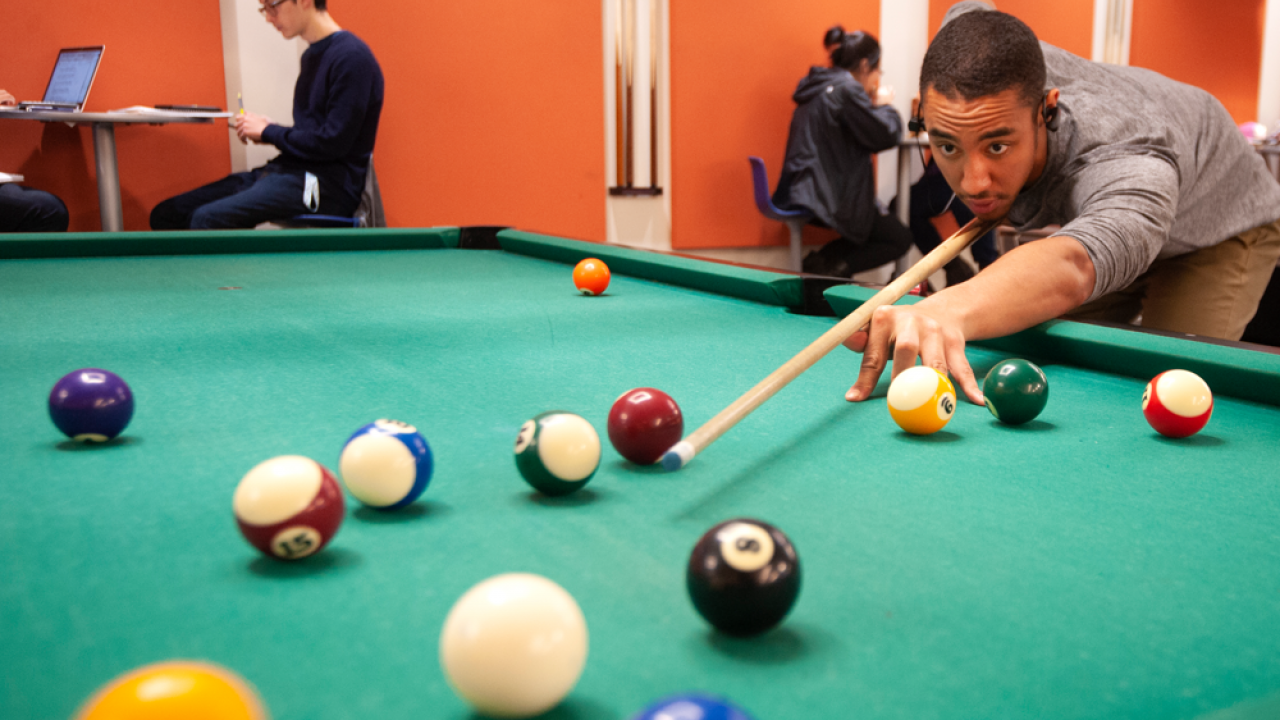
x,y
1141,168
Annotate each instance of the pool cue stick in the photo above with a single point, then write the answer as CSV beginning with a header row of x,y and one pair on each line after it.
x,y
630,39
619,119
685,450
653,93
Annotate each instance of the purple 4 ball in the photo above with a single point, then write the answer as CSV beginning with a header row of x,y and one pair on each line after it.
x,y
91,404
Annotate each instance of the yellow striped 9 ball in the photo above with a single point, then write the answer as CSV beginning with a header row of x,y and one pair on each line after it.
x,y
921,400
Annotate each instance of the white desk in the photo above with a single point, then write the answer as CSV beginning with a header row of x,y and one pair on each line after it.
x,y
104,146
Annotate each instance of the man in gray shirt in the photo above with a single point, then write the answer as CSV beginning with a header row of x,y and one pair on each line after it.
x,y
1164,208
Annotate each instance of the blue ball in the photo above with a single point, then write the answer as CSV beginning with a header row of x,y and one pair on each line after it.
x,y
386,464
693,706
91,404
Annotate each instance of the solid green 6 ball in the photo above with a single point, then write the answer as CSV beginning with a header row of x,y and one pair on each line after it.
x,y
1015,391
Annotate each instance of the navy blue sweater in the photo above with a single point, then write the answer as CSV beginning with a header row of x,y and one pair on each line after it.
x,y
336,106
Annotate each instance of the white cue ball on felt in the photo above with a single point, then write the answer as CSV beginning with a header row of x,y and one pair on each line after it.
x,y
514,645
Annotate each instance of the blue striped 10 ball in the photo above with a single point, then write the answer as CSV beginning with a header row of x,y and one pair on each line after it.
x,y
386,464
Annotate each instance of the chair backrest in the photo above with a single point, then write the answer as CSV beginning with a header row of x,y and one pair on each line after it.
x,y
370,210
764,203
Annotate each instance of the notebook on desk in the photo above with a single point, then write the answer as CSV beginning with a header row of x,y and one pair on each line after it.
x,y
72,77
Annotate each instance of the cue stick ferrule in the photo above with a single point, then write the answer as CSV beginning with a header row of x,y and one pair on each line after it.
x,y
684,451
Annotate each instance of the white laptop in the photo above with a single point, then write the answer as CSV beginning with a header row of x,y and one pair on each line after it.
x,y
71,80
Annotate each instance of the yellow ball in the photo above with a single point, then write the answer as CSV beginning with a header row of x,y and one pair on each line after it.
x,y
176,689
921,400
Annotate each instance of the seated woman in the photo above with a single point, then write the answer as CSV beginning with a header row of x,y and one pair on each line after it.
x,y
839,123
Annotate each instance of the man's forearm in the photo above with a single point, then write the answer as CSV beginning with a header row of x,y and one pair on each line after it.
x,y
1035,282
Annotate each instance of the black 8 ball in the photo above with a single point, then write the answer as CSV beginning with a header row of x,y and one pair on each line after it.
x,y
744,576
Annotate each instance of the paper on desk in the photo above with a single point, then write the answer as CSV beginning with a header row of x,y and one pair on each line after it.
x,y
146,110
10,178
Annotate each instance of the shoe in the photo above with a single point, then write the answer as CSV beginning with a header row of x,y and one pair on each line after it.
x,y
829,261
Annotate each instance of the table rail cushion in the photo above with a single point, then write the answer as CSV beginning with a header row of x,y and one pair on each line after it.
x,y
26,246
1234,371
760,286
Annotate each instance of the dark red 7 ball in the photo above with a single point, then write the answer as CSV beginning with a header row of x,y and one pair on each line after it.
x,y
643,424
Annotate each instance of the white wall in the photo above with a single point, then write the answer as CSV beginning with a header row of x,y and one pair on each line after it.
x,y
262,66
1269,80
904,37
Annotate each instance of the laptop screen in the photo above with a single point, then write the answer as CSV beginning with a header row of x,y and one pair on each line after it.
x,y
73,74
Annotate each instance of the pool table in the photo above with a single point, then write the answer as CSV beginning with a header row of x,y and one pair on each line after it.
x,y
1079,566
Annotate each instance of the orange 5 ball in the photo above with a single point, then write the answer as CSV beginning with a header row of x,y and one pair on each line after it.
x,y
591,276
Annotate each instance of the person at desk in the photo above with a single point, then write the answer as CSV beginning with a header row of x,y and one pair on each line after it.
x,y
26,209
1164,208
841,120
324,156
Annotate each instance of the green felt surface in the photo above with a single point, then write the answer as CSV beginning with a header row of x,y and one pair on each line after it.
x,y
1077,567
761,286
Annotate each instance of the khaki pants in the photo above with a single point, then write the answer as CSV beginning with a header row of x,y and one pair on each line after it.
x,y
1212,292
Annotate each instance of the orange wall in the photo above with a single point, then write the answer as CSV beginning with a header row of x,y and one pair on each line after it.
x,y
733,69
158,51
1068,24
1216,46
494,112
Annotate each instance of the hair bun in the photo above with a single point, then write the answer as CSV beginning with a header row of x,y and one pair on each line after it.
x,y
833,36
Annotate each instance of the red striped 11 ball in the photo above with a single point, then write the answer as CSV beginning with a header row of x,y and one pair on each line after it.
x,y
1177,403
386,464
743,576
288,507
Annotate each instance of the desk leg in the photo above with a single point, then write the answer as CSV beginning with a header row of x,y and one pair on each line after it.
x,y
104,151
904,202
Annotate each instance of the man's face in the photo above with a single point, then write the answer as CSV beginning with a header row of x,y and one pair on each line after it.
x,y
283,16
988,149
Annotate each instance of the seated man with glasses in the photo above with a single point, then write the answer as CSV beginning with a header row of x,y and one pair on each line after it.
x,y
323,157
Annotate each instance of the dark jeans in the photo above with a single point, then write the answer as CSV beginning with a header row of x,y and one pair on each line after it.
x,y
240,200
887,241
23,209
929,198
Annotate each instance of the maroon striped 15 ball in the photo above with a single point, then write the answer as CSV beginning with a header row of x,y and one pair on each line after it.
x,y
289,507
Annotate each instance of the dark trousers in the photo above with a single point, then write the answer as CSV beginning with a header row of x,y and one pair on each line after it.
x,y
23,209
887,241
929,199
240,200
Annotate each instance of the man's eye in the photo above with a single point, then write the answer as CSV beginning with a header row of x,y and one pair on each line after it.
x,y
946,150
998,148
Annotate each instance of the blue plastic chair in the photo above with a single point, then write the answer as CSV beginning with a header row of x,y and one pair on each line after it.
x,y
795,219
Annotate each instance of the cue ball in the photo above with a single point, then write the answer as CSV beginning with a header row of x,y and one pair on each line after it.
x,y
693,706
591,276
557,452
514,645
1015,391
176,689
921,400
91,405
644,424
743,576
1177,403
288,507
386,464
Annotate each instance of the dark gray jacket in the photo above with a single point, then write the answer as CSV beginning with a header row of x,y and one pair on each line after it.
x,y
834,132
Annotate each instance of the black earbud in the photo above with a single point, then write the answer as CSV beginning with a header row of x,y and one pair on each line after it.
x,y
916,124
1050,113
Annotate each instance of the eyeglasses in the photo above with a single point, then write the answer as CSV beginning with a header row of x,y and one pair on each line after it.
x,y
270,8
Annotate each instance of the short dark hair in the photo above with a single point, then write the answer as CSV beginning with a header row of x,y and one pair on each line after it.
x,y
320,5
853,48
984,53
